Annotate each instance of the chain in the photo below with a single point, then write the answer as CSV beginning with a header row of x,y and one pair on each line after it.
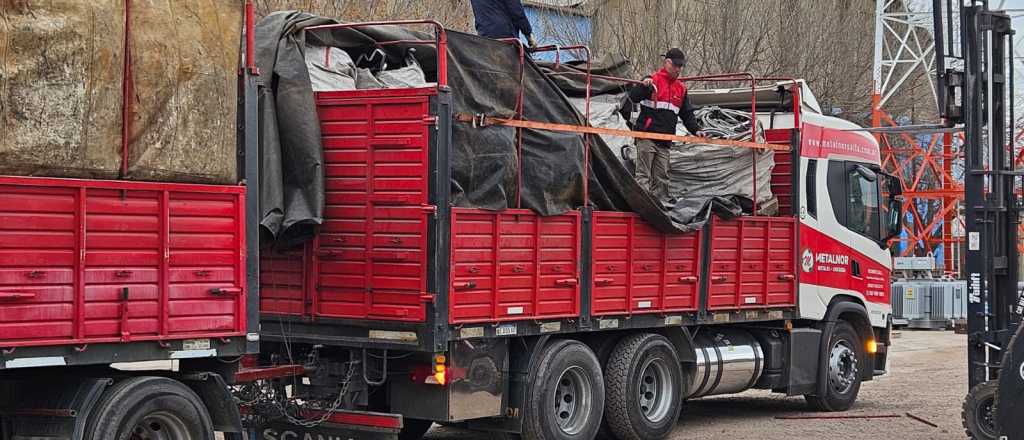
x,y
267,395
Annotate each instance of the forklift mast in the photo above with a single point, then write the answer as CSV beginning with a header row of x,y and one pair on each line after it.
x,y
981,98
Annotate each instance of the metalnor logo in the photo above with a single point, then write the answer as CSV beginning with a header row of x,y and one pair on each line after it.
x,y
807,260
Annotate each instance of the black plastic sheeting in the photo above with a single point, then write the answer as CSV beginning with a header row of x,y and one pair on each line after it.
x,y
484,76
291,155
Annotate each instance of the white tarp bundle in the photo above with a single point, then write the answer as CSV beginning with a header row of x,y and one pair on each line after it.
x,y
331,68
699,172
604,112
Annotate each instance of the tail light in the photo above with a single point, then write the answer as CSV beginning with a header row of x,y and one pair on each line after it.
x,y
436,373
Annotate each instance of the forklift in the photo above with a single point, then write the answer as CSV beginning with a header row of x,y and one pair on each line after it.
x,y
977,95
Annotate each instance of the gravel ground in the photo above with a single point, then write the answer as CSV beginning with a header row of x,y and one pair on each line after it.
x,y
927,378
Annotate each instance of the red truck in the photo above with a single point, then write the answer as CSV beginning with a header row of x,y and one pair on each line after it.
x,y
567,326
405,310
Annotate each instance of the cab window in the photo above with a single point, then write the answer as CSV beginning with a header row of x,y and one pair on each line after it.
x,y
855,192
862,204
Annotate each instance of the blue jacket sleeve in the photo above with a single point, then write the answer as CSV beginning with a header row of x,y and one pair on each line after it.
x,y
518,17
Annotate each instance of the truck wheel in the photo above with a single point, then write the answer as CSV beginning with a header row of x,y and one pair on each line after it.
x,y
414,429
979,412
151,408
645,383
844,354
565,396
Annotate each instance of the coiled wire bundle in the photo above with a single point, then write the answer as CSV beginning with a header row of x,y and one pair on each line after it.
x,y
723,123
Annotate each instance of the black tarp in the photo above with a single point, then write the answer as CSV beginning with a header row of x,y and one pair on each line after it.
x,y
484,78
291,155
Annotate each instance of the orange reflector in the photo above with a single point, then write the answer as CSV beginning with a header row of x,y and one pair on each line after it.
x,y
872,346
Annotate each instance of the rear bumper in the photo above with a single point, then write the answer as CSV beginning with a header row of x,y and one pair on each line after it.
x,y
341,424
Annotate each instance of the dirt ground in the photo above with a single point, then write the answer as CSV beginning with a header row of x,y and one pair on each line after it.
x,y
927,378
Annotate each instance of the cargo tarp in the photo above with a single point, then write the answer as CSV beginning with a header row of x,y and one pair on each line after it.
x,y
61,79
60,87
484,78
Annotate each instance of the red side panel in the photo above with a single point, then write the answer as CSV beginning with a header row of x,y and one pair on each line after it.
x,y
371,254
513,265
640,270
99,261
204,258
369,260
782,174
752,263
39,243
283,280
122,263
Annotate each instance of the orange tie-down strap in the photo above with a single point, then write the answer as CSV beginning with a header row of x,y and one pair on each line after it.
x,y
483,121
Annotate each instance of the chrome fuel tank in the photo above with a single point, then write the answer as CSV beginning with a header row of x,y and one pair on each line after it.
x,y
728,361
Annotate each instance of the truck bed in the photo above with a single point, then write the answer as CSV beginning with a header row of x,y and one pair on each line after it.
x,y
393,256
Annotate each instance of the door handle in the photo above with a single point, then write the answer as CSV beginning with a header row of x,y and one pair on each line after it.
x,y
226,291
567,282
688,279
602,281
464,285
16,296
718,279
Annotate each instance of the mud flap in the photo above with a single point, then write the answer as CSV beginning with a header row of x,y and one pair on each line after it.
x,y
805,361
1010,399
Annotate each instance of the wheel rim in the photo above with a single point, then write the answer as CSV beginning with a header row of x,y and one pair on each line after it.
x,y
161,426
842,367
985,414
573,400
654,390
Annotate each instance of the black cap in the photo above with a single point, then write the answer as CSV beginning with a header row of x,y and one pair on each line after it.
x,y
677,56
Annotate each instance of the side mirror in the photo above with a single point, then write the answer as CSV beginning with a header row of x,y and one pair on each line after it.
x,y
893,191
893,226
866,173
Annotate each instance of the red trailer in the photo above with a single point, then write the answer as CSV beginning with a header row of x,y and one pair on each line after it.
x,y
556,327
95,273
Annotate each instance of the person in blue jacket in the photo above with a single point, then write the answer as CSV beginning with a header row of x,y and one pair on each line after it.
x,y
502,19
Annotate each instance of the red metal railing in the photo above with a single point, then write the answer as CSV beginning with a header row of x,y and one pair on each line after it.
x,y
250,38
519,111
586,112
440,40
725,77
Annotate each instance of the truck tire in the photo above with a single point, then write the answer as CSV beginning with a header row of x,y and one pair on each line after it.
x,y
149,407
979,413
645,388
844,354
414,429
565,396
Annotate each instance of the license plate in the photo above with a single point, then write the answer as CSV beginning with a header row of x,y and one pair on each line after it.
x,y
195,344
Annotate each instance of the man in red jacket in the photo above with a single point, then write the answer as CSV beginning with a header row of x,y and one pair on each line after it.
x,y
662,99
